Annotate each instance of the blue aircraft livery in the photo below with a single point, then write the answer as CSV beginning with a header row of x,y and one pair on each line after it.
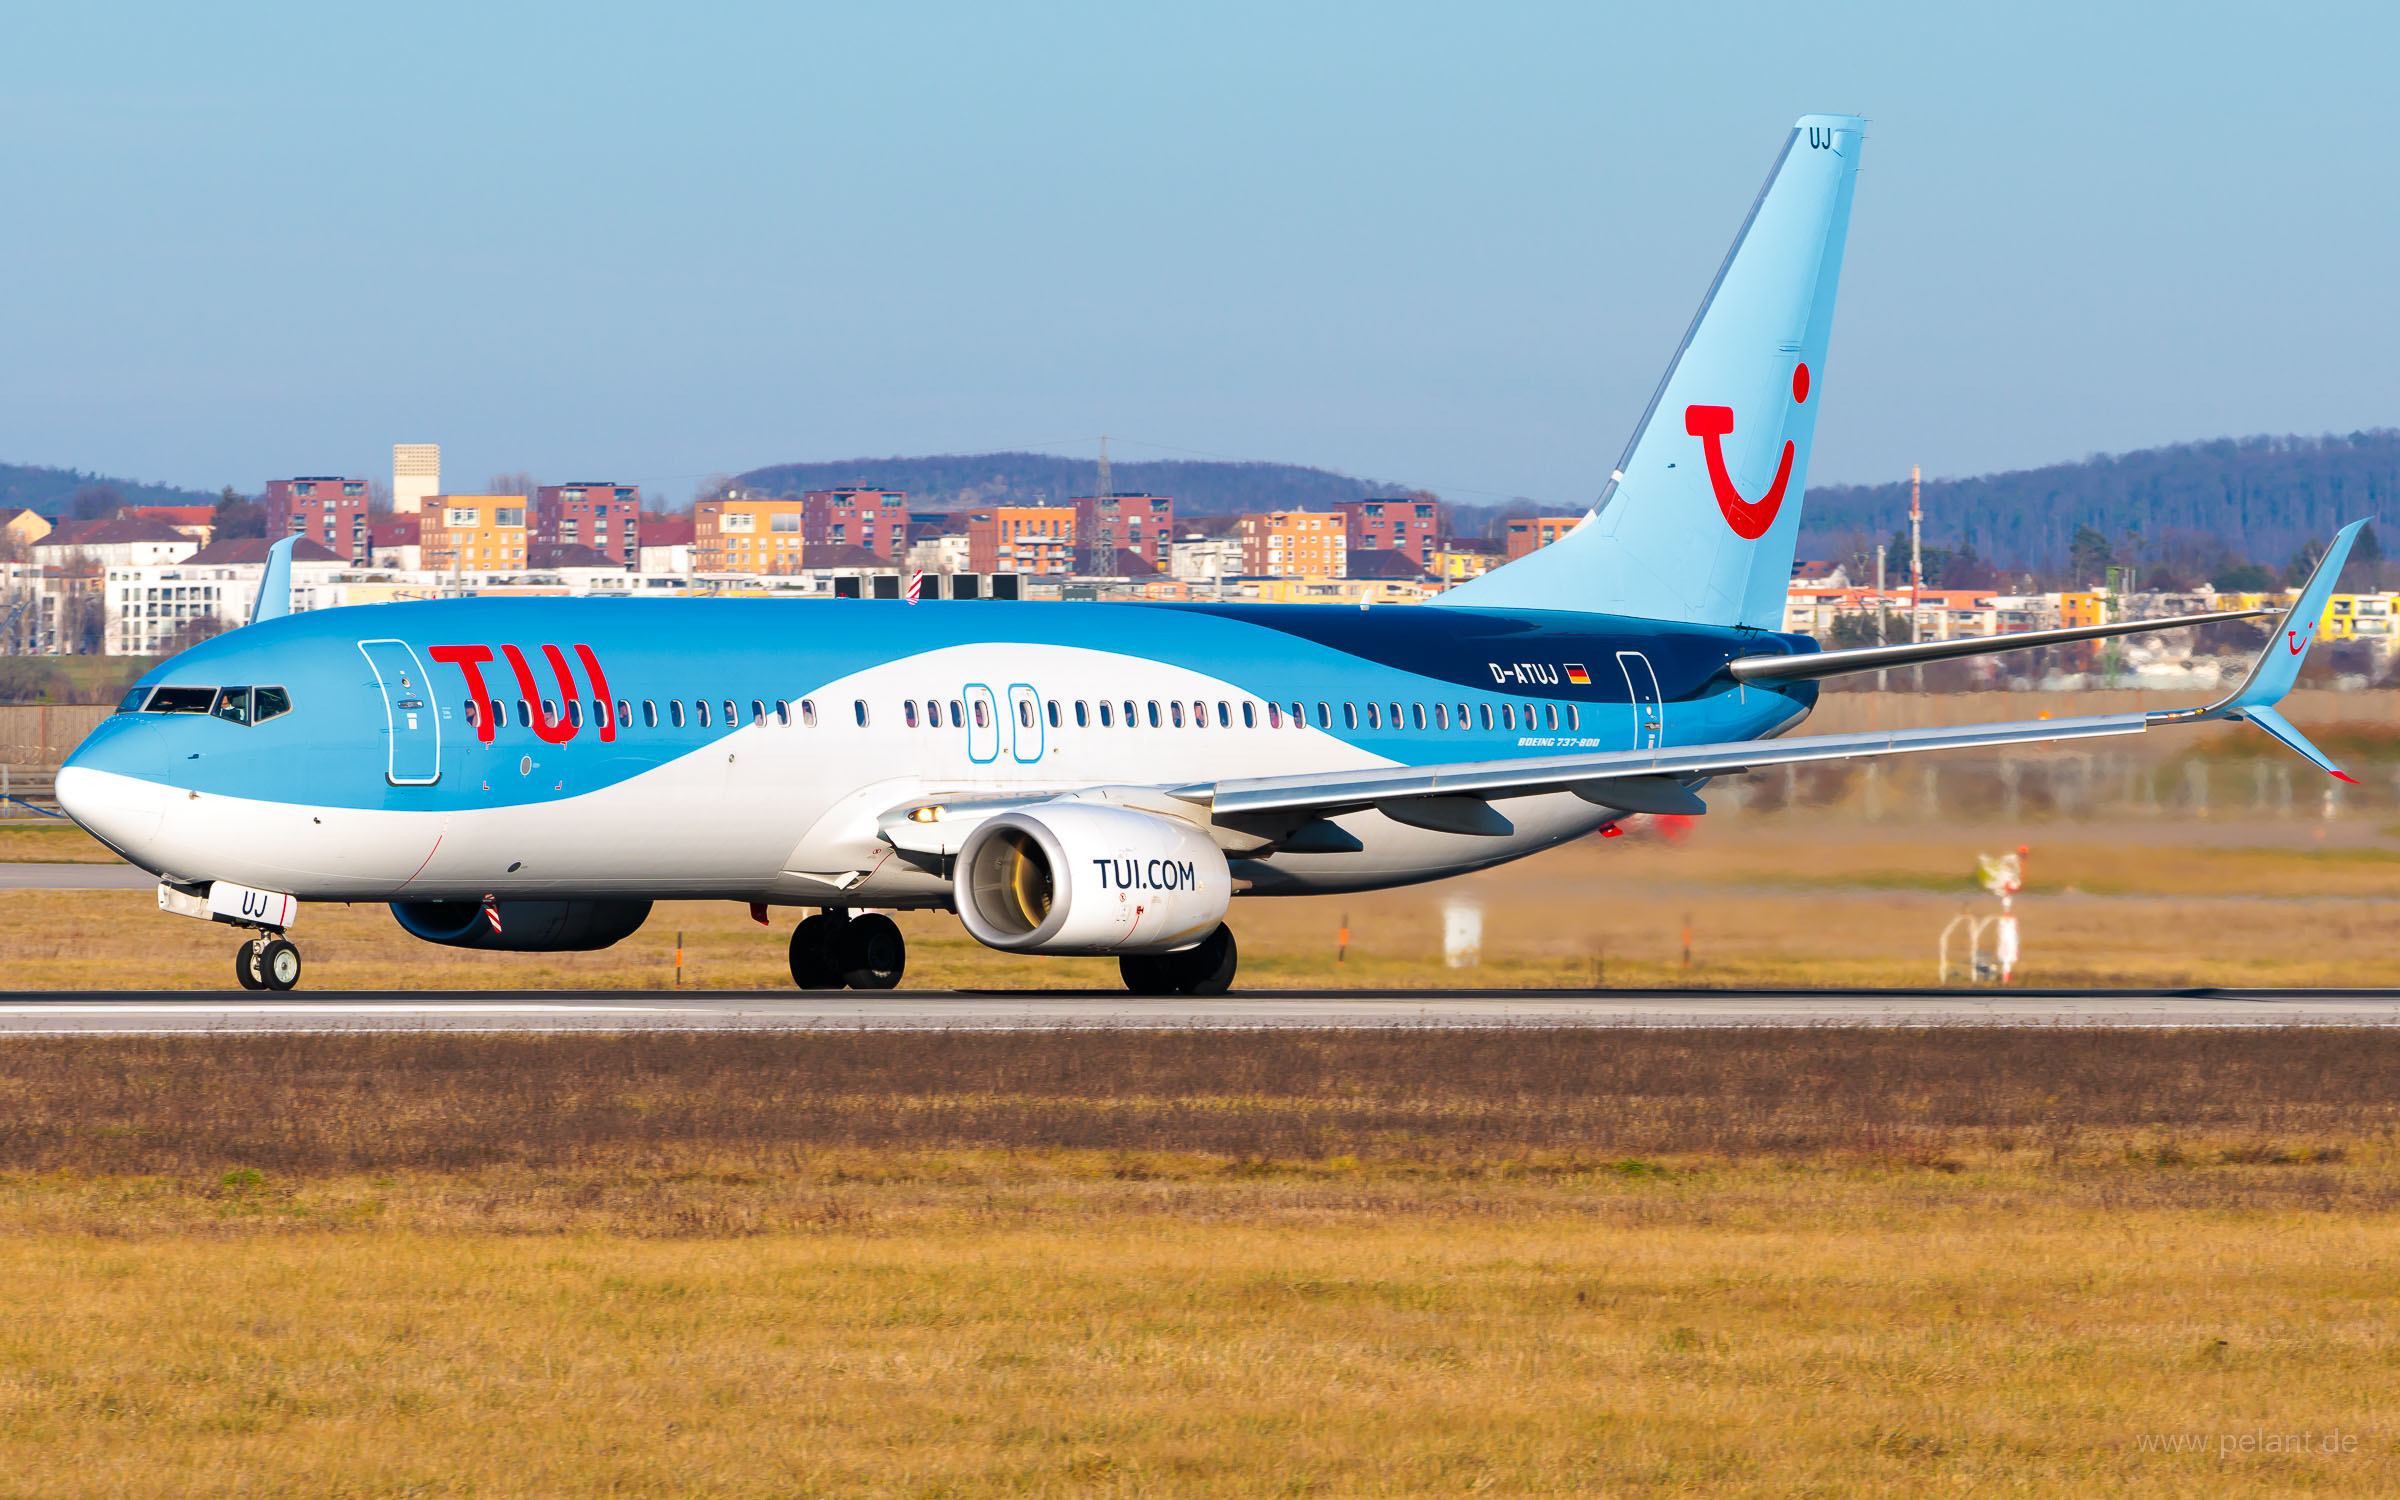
x,y
531,775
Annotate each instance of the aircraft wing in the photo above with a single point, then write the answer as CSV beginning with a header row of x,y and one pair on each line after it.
x,y
1812,664
1445,796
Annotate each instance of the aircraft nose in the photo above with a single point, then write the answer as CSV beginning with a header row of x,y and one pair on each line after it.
x,y
121,810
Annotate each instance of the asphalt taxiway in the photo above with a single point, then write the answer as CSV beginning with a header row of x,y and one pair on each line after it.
x,y
156,1011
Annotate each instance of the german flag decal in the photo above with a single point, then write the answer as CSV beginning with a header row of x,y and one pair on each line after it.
x,y
1577,675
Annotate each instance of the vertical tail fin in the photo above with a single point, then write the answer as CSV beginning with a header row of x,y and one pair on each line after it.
x,y
1700,520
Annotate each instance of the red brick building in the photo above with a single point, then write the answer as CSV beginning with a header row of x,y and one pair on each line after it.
x,y
326,508
1398,524
1106,525
604,517
857,516
1537,532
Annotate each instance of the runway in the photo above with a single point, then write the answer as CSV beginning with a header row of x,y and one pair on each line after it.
x,y
167,1011
67,876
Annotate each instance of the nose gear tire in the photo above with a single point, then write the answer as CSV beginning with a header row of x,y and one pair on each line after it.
x,y
278,964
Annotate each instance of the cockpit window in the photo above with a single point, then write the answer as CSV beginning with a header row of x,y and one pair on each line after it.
x,y
182,700
235,705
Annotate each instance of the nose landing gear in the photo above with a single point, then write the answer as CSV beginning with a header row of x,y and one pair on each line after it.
x,y
267,962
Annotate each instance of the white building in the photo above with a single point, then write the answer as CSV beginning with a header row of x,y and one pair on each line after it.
x,y
126,542
151,610
939,554
416,476
1205,559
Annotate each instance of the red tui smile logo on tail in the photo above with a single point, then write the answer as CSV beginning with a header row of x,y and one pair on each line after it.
x,y
1711,425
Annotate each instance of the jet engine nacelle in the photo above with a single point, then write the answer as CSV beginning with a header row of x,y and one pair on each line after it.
x,y
524,926
1070,877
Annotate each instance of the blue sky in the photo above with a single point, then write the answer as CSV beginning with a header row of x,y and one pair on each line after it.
x,y
1442,244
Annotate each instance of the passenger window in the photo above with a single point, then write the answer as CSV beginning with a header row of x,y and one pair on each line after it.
x,y
1175,711
1349,716
675,712
730,718
1484,713
1299,717
1374,718
1274,716
1324,716
1441,716
233,705
474,715
624,714
1199,715
1025,712
808,712
858,710
982,717
758,713
183,700
649,713
1106,718
1527,721
700,711
1225,714
524,714
1154,713
783,712
1131,718
1416,715
269,703
1249,714
574,712
1463,721
1549,716
908,712
1574,718
1054,713
1395,715
1508,717
957,719
1083,713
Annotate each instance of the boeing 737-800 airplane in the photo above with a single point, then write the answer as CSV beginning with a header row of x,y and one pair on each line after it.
x,y
1068,778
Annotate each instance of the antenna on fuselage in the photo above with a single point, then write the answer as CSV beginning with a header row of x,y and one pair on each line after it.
x,y
275,584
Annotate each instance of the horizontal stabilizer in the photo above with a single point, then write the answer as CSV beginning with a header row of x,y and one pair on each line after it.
x,y
2277,725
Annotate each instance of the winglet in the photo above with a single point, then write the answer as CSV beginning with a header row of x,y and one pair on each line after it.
x,y
2278,666
275,585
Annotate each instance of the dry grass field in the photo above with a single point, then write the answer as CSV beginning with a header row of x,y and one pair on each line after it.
x,y
1595,1262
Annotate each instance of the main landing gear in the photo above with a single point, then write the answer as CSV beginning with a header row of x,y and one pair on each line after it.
x,y
1206,969
268,961
834,950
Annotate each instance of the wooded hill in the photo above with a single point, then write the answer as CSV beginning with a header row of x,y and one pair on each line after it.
x,y
959,481
53,491
2261,499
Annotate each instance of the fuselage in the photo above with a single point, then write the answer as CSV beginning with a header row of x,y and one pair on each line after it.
x,y
746,749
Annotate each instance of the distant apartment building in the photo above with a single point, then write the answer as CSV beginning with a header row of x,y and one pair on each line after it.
x,y
198,522
1402,525
857,516
666,545
397,541
416,476
155,609
326,508
1106,525
1204,559
1294,544
1037,539
602,516
1536,532
1464,558
740,534
120,542
25,527
474,533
